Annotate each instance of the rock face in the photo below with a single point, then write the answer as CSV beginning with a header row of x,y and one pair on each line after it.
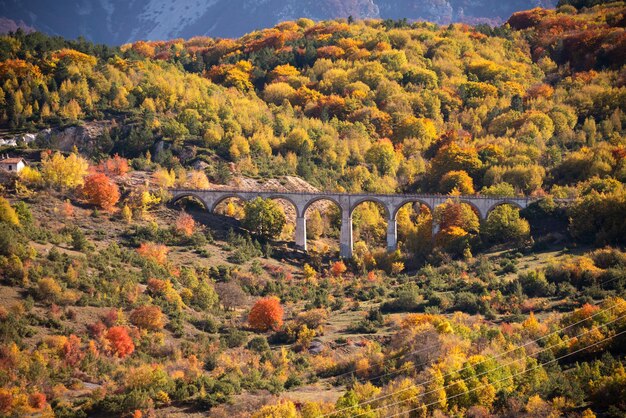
x,y
121,21
83,137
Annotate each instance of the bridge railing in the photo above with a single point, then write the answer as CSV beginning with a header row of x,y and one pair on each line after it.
x,y
418,195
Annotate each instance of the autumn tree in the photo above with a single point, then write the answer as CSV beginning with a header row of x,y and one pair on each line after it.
x,y
456,181
121,344
147,317
154,252
114,166
101,191
64,172
264,217
315,225
7,213
458,224
185,224
197,180
266,314
382,156
338,268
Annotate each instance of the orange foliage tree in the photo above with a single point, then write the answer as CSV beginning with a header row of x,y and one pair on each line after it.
x,y
147,317
101,191
154,252
338,268
115,166
266,314
185,224
72,351
120,342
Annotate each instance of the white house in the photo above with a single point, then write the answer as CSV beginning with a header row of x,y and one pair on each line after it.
x,y
13,165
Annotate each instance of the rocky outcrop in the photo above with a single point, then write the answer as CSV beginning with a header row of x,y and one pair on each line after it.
x,y
84,137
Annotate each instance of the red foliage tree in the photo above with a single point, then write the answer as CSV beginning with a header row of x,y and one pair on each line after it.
x,y
185,224
72,351
121,343
6,401
37,400
115,166
101,191
266,314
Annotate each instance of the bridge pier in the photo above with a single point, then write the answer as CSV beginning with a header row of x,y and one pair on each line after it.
x,y
345,236
392,235
435,229
301,232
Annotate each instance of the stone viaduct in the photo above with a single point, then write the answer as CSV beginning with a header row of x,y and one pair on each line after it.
x,y
346,204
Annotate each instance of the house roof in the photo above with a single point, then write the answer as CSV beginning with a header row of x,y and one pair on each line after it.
x,y
11,160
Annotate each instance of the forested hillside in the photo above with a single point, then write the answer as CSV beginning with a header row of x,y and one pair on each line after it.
x,y
115,301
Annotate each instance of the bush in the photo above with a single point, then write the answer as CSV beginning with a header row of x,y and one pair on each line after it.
x,y
534,284
467,302
147,317
258,344
408,299
49,290
234,338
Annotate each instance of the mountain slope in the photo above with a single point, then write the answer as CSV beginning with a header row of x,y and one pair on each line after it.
x,y
116,21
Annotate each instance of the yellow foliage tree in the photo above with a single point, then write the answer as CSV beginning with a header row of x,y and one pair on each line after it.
x,y
64,172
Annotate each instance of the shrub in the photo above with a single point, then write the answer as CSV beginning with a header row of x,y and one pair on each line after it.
x,y
338,268
121,344
185,224
48,290
535,284
147,317
234,338
204,296
153,252
408,298
266,314
258,344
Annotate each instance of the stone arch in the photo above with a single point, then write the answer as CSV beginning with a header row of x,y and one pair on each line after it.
x,y
504,202
387,220
317,199
301,223
474,207
406,202
286,199
374,200
179,197
225,197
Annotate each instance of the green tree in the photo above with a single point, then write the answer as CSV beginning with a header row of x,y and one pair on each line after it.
x,y
264,217
382,156
504,224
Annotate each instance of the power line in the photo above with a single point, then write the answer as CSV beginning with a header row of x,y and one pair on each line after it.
x,y
486,372
501,380
369,379
495,357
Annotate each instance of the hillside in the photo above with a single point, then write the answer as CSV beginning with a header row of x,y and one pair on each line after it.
x,y
117,301
115,22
